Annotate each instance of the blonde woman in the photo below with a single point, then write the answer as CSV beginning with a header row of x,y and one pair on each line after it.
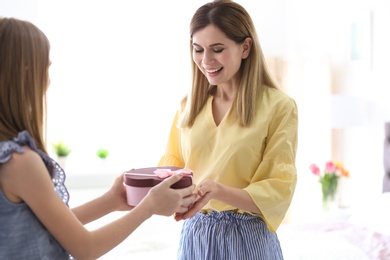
x,y
237,132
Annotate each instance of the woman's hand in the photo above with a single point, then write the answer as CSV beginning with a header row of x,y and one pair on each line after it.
x,y
205,193
236,197
165,201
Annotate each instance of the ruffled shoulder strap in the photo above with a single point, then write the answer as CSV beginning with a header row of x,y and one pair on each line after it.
x,y
7,148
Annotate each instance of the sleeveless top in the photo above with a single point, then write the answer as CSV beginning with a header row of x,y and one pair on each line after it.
x,y
22,235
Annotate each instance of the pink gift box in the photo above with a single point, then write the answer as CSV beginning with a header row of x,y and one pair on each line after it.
x,y
139,181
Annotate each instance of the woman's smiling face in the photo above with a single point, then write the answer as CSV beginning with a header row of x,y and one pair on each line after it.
x,y
218,57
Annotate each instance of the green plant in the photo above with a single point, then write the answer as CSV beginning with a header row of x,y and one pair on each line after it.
x,y
102,153
61,149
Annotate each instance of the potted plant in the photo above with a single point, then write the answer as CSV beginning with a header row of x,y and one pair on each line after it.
x,y
102,153
62,151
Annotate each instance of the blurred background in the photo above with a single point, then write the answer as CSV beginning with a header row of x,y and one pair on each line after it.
x,y
119,69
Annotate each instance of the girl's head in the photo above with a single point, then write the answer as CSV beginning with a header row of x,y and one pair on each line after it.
x,y
24,79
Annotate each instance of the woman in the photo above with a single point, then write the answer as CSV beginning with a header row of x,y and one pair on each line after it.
x,y
35,220
237,132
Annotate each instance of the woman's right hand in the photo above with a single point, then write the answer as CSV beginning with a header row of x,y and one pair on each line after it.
x,y
165,201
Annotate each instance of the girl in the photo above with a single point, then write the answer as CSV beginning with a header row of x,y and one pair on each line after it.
x,y
35,220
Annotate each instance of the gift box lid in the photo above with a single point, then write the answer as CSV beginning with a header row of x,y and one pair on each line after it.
x,y
146,177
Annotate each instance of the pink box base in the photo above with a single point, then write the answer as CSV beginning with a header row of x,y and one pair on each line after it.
x,y
136,194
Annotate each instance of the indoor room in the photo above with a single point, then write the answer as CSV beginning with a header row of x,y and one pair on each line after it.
x,y
120,68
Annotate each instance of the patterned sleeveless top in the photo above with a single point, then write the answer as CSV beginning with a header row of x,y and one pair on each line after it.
x,y
22,236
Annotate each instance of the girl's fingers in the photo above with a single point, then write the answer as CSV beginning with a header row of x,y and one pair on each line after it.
x,y
189,201
172,179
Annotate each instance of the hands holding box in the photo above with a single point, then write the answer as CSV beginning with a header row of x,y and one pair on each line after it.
x,y
139,181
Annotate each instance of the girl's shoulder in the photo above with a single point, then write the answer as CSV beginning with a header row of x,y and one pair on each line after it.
x,y
23,147
23,152
22,158
20,144
7,148
17,159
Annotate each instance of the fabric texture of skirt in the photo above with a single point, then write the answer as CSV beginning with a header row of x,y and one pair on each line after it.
x,y
227,236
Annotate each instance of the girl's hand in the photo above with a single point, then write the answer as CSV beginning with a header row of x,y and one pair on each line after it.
x,y
163,200
117,194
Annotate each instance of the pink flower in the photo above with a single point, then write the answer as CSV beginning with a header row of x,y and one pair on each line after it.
x,y
330,167
314,169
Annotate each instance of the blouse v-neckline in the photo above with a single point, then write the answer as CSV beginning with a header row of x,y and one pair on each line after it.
x,y
211,115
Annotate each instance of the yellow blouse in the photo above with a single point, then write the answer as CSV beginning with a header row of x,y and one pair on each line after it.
x,y
259,159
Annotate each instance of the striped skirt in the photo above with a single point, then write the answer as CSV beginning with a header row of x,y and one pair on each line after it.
x,y
227,236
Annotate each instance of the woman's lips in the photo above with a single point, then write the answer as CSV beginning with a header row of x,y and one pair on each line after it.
x,y
212,72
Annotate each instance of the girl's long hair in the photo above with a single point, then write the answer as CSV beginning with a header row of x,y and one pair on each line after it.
x,y
24,63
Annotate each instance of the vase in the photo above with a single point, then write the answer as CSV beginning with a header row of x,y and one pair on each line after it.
x,y
62,161
103,166
329,185
329,203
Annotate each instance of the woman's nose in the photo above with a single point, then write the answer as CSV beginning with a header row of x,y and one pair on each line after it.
x,y
208,58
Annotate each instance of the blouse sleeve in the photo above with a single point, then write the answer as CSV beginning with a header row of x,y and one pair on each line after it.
x,y
274,181
172,155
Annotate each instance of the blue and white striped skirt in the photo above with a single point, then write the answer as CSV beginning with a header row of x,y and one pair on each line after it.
x,y
227,236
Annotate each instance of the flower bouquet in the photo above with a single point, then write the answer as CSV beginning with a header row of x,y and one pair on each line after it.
x,y
329,179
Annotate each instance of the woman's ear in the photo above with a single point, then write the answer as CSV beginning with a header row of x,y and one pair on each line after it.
x,y
247,45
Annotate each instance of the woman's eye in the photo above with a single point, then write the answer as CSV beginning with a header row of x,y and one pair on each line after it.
x,y
202,50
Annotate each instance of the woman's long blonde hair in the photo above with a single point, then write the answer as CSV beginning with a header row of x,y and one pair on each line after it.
x,y
24,62
232,19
